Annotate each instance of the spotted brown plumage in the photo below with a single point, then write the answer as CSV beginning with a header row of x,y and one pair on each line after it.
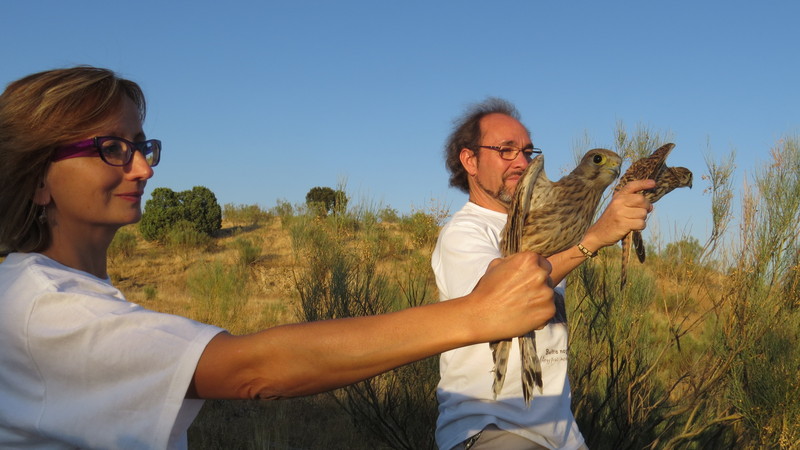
x,y
653,167
547,218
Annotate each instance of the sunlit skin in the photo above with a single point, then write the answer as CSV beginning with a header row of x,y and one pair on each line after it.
x,y
87,200
492,181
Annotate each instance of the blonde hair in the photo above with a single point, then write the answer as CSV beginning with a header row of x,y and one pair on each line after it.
x,y
38,113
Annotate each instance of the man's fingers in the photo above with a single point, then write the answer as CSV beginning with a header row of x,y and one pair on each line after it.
x,y
637,185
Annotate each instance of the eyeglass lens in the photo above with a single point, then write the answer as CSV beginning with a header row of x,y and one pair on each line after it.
x,y
511,153
119,153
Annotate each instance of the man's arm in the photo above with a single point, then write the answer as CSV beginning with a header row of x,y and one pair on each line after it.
x,y
626,212
293,360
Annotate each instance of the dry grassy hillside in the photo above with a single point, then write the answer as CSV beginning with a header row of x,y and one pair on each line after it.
x,y
271,295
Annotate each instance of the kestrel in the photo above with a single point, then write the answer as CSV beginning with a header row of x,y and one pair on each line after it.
x,y
653,167
549,217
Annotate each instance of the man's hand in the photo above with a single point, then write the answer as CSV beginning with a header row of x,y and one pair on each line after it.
x,y
626,212
513,297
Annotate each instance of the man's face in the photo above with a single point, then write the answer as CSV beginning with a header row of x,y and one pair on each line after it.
x,y
492,179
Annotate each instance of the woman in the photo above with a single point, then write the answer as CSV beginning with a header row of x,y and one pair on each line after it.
x,y
82,367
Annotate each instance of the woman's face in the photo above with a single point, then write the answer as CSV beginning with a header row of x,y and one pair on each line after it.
x,y
86,195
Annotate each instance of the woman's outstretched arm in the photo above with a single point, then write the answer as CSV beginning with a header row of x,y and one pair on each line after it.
x,y
514,296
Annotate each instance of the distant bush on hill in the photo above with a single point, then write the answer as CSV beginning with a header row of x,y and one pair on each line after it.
x,y
166,208
325,200
244,214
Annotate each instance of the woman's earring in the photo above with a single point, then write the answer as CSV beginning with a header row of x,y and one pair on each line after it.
x,y
43,215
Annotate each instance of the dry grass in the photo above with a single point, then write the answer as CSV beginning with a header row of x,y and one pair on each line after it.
x,y
271,299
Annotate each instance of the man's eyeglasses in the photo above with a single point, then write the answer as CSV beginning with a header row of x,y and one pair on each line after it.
x,y
510,153
114,151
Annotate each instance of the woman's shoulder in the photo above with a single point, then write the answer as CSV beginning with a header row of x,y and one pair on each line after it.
x,y
31,274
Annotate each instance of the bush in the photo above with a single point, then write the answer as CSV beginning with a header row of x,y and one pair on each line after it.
x,y
200,207
124,244
324,200
166,208
160,212
388,215
423,228
220,289
282,209
150,292
244,214
248,251
183,237
684,251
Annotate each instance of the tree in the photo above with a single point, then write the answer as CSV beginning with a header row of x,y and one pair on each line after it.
x,y
326,200
166,208
200,207
160,212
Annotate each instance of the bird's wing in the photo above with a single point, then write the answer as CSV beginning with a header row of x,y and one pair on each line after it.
x,y
659,160
649,167
518,213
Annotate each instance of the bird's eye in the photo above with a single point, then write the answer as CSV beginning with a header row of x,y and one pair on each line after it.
x,y
599,159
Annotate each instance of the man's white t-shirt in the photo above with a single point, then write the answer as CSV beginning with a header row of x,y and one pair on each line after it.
x,y
80,366
466,246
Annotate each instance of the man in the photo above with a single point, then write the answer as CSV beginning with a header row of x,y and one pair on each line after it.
x,y
486,155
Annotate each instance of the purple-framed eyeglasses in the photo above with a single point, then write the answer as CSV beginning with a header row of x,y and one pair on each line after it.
x,y
114,151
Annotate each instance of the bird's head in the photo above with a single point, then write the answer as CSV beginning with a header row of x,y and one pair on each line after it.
x,y
599,166
683,176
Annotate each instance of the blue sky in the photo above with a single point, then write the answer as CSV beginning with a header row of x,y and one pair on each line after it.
x,y
261,101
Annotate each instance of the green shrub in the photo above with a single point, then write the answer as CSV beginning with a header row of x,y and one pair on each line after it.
x,y
200,207
324,200
219,289
123,245
247,250
388,215
166,207
183,237
282,209
422,227
244,214
163,209
150,292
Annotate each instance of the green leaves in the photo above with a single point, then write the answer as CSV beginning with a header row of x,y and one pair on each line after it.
x,y
166,208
